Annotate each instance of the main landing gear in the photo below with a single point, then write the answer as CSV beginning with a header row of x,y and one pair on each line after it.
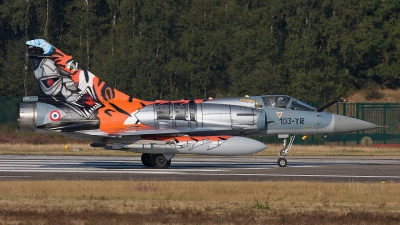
x,y
282,162
158,161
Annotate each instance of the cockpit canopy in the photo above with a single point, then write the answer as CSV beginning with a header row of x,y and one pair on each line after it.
x,y
286,102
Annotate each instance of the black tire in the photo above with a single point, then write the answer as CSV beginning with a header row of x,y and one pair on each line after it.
x,y
160,162
282,162
146,159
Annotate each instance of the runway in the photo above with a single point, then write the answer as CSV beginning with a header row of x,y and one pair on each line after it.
x,y
251,168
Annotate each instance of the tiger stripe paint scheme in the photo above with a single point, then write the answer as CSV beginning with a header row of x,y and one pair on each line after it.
x,y
115,120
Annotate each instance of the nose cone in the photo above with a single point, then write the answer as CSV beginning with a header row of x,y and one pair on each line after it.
x,y
344,124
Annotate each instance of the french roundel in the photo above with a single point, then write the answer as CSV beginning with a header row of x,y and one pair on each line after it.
x,y
55,115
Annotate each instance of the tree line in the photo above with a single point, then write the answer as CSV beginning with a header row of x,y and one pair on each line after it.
x,y
315,50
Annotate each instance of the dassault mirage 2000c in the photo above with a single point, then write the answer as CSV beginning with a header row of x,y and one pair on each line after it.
x,y
73,101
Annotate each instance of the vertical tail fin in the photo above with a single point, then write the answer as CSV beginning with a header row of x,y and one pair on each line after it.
x,y
65,83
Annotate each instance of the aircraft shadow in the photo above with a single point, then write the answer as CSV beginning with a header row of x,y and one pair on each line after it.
x,y
187,165
138,165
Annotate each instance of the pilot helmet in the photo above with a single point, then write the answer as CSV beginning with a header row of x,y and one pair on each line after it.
x,y
280,100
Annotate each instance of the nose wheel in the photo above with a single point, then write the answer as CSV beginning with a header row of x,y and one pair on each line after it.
x,y
282,162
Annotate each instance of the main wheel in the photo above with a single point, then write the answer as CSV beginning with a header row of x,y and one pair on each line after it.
x,y
282,162
160,162
146,159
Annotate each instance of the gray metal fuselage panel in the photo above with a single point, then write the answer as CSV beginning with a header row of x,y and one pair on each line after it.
x,y
296,122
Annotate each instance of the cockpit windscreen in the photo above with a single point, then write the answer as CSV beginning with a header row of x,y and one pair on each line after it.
x,y
299,105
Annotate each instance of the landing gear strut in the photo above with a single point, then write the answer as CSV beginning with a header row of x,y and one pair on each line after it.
x,y
282,162
158,161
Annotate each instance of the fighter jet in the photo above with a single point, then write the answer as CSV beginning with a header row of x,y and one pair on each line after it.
x,y
75,102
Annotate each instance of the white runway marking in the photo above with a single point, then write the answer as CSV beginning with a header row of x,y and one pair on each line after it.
x,y
310,175
13,176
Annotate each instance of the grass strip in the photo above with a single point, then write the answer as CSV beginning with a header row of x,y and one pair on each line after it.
x,y
194,202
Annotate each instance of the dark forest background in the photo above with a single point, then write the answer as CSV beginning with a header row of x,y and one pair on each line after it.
x,y
315,50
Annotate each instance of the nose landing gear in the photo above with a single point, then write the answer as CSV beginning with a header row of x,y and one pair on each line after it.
x,y
282,162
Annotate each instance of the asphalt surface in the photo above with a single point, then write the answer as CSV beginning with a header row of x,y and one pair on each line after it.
x,y
251,168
